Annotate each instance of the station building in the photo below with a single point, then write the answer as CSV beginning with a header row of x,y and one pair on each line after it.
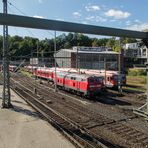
x,y
87,58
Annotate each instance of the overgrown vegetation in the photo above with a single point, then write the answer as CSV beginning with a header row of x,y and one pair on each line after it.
x,y
25,73
136,80
136,72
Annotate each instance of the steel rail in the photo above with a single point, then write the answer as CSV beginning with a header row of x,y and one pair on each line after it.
x,y
142,142
57,114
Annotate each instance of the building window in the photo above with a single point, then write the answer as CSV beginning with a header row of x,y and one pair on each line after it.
x,y
144,52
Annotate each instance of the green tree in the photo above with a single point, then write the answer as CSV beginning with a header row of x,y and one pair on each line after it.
x,y
111,42
95,43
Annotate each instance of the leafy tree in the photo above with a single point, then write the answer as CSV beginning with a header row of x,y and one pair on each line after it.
x,y
111,42
95,43
24,46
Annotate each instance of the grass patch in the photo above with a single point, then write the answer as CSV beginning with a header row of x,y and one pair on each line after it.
x,y
136,83
25,73
136,80
136,72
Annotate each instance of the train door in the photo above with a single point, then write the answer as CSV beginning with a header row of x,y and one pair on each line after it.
x,y
78,84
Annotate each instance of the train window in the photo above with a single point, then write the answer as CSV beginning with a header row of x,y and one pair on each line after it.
x,y
115,77
83,80
91,80
107,78
99,79
111,78
73,78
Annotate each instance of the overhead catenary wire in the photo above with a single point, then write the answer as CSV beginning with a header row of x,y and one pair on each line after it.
x,y
54,34
10,3
29,32
16,8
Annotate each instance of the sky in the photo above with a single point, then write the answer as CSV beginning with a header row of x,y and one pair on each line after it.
x,y
125,14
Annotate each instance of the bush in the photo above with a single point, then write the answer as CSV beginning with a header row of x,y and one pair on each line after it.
x,y
136,72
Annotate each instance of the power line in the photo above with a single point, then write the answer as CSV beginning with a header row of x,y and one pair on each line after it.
x,y
21,13
10,3
16,31
16,8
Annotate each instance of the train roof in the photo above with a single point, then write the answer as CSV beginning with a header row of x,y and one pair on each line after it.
x,y
90,71
76,75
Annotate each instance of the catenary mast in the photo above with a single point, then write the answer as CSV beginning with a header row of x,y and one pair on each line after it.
x,y
6,102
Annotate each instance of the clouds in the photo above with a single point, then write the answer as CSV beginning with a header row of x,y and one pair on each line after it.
x,y
37,16
117,14
90,18
138,26
59,19
96,19
92,8
95,13
76,14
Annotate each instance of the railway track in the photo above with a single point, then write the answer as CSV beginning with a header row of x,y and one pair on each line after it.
x,y
75,105
74,132
127,96
110,94
115,133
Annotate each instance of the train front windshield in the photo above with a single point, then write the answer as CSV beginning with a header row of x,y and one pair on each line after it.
x,y
122,78
95,80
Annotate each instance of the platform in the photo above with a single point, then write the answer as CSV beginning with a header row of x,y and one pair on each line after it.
x,y
21,127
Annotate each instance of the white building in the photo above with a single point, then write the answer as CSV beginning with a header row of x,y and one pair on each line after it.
x,y
136,51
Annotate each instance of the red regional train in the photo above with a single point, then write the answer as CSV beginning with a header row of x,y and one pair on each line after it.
x,y
87,85
84,84
110,77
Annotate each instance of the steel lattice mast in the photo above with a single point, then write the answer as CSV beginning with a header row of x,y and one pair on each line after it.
x,y
6,103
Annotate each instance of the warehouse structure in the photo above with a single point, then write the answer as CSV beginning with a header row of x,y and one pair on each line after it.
x,y
88,58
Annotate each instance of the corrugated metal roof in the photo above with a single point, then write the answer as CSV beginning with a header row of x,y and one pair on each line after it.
x,y
96,52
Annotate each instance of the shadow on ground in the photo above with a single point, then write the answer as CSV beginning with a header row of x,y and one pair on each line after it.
x,y
26,112
112,101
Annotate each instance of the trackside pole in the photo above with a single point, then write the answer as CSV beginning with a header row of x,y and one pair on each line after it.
x,y
105,68
119,70
55,55
6,100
